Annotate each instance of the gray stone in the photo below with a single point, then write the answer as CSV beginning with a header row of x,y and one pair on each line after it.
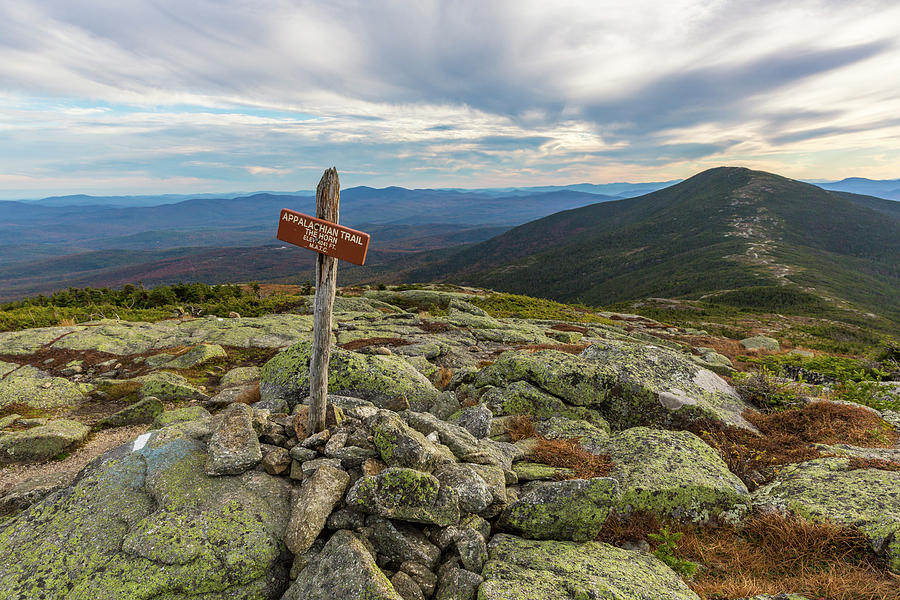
x,y
24,494
234,447
406,587
474,494
345,519
472,549
457,584
402,446
311,466
276,461
760,342
567,510
476,420
401,542
422,575
301,454
344,569
311,505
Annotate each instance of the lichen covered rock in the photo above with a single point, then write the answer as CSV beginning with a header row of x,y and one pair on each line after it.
x,y
378,378
142,411
573,509
32,387
402,446
343,569
519,569
630,384
825,489
202,353
407,495
145,522
180,415
168,387
234,446
674,474
42,442
239,376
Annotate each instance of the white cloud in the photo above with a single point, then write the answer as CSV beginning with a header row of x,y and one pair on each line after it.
x,y
435,93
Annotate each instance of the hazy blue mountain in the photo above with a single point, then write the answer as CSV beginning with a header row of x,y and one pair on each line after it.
x,y
882,188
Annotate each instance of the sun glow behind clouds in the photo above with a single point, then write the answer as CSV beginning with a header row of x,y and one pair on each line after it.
x,y
112,97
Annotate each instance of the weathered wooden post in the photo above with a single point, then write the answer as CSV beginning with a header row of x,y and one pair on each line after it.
x,y
328,197
332,242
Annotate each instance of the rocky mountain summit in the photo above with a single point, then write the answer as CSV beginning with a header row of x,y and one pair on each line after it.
x,y
466,456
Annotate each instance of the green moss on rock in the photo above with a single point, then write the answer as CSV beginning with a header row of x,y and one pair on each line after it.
x,y
574,509
406,495
674,474
239,376
32,387
374,377
168,386
42,442
142,411
180,415
147,523
519,569
202,353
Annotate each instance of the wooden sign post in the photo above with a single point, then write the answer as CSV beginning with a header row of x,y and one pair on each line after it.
x,y
322,234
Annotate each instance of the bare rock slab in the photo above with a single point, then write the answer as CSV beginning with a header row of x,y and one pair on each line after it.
x,y
519,569
234,447
144,521
343,569
42,442
311,505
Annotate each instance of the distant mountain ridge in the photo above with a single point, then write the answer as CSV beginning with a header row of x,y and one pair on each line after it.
x,y
725,228
882,188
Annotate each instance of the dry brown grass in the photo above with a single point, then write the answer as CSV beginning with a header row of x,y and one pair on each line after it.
x,y
446,376
570,327
828,423
66,322
857,462
434,327
249,395
374,341
771,554
520,427
618,529
566,453
788,437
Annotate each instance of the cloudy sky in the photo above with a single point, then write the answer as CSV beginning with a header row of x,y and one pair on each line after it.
x,y
160,96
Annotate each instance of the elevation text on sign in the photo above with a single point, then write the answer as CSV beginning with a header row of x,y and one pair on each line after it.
x,y
323,236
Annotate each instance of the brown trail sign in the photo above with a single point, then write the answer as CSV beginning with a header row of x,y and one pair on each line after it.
x,y
322,234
